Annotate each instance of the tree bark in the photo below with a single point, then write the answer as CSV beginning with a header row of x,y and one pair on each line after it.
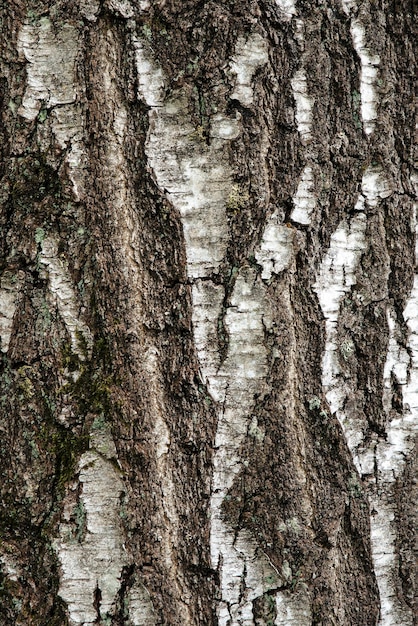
x,y
208,313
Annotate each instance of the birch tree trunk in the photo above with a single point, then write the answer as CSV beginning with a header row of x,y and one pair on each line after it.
x,y
208,313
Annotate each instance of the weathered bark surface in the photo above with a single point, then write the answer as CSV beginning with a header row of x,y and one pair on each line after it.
x,y
208,313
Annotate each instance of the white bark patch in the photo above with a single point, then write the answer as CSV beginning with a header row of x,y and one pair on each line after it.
x,y
337,275
207,305
369,70
293,609
10,567
381,460
245,573
397,362
368,77
385,559
51,54
90,9
225,128
196,177
287,8
304,199
390,455
386,459
63,296
169,537
276,247
141,611
250,54
93,560
375,185
51,61
10,286
243,371
123,7
304,104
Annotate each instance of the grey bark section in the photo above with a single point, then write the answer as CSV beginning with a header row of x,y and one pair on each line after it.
x,y
119,340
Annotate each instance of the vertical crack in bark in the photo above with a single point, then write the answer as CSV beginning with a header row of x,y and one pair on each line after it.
x,y
197,179
380,458
91,560
337,275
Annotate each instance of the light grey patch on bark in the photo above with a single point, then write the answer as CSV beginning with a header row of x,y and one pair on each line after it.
x,y
275,252
169,534
141,610
63,296
122,7
385,555
67,122
293,609
245,571
250,54
369,67
51,55
336,277
92,563
304,104
93,555
10,286
225,128
304,199
10,567
390,455
207,303
376,185
89,9
397,362
51,90
196,177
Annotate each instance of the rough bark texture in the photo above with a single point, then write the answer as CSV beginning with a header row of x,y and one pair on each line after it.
x,y
208,313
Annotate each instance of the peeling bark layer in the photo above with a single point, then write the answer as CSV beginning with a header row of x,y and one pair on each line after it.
x,y
208,313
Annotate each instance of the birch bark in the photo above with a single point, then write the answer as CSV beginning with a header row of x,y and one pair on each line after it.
x,y
208,313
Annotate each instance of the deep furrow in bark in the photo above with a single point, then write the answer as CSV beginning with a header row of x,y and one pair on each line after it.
x,y
199,189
